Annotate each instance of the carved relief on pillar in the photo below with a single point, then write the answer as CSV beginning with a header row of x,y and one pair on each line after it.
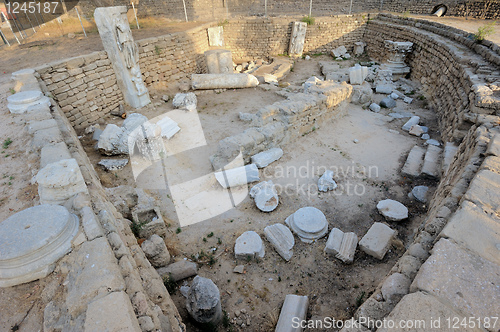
x,y
397,55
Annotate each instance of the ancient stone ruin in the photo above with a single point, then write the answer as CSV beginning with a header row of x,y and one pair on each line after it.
x,y
243,174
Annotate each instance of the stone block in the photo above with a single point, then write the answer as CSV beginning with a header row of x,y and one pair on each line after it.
x,y
265,196
267,157
395,287
151,222
297,39
414,120
112,313
484,189
342,245
308,223
90,224
392,210
216,36
294,308
281,238
179,270
53,153
249,245
223,81
156,251
238,176
460,278
377,240
46,136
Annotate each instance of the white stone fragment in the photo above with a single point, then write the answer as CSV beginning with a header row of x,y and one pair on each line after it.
x,y
375,107
342,245
238,176
216,36
392,210
357,74
308,223
416,130
223,81
267,157
394,96
59,181
219,61
377,240
297,39
270,79
383,88
419,193
21,102
414,120
179,270
110,165
265,196
249,245
359,48
31,241
281,239
432,142
339,51
185,100
326,182
294,309
408,100
168,127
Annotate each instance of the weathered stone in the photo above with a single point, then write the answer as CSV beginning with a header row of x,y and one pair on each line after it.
x,y
203,301
450,150
375,107
494,146
395,287
294,309
394,96
342,245
116,305
122,50
392,210
359,48
377,240
150,221
21,102
94,273
414,161
219,61
179,270
419,193
238,176
146,323
357,74
308,223
326,182
388,102
339,51
216,36
185,100
110,141
281,238
414,120
223,81
249,245
416,130
53,153
362,94
59,181
397,54
239,269
31,241
460,278
34,126
483,240
156,251
432,142
416,250
168,126
90,224
264,158
265,196
124,198
111,165
297,39
431,164
383,88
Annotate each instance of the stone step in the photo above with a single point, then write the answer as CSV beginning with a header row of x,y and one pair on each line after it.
x,y
414,161
431,162
450,150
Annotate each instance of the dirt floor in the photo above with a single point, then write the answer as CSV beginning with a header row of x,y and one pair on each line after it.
x,y
335,289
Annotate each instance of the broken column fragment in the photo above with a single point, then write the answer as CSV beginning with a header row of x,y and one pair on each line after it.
x,y
267,157
308,223
281,238
265,196
294,309
223,81
297,39
179,270
21,102
342,245
377,240
156,251
249,245
203,301
392,210
185,100
238,176
219,61
326,182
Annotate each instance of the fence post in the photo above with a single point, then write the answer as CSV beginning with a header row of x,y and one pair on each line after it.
x,y
185,11
81,23
135,14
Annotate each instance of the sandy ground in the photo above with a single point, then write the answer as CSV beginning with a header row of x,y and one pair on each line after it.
x,y
332,286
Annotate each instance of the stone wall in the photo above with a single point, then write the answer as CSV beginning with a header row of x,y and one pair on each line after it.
x,y
262,37
85,87
209,10
174,56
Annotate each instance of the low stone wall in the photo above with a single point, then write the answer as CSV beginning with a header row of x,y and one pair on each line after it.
x,y
284,121
85,87
108,282
262,37
174,56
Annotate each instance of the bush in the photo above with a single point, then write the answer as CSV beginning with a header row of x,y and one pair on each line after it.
x,y
484,31
309,20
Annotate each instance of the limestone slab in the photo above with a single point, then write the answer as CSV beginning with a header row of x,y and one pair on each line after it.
x,y
281,239
179,270
392,210
308,223
414,161
431,166
466,281
219,61
377,240
238,176
485,237
116,305
450,150
53,153
294,308
484,190
249,244
34,126
342,245
422,308
59,181
31,241
216,36
297,39
414,120
264,158
46,136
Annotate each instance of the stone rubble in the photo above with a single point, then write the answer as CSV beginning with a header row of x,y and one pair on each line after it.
x,y
111,165
375,107
249,245
392,210
395,287
281,238
265,158
419,193
339,52
156,251
265,196
223,81
388,102
168,127
414,120
326,182
150,220
308,223
377,240
219,61
185,100
203,301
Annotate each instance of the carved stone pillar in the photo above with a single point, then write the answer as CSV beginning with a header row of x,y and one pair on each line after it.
x,y
398,52
122,50
297,39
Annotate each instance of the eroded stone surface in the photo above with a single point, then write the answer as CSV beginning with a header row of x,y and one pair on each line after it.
x,y
326,182
265,196
377,240
342,245
116,305
281,238
249,244
308,223
419,193
395,286
179,270
156,251
392,210
267,157
238,176
203,301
